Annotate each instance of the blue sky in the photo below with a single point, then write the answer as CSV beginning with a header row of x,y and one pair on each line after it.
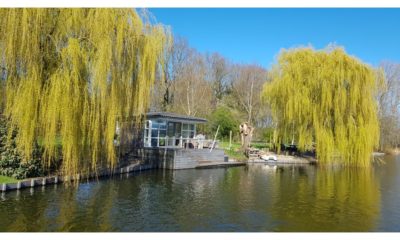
x,y
257,35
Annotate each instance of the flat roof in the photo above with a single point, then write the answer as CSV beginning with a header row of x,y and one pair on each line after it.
x,y
175,116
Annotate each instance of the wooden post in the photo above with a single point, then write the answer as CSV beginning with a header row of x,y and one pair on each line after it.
x,y
230,140
215,138
158,138
270,141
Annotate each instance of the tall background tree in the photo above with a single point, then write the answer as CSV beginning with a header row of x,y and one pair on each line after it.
x,y
218,69
193,93
68,75
389,107
327,97
246,86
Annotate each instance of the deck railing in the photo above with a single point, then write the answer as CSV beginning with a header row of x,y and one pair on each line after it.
x,y
181,142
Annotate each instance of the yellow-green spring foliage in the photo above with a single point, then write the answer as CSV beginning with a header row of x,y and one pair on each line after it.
x,y
325,97
71,74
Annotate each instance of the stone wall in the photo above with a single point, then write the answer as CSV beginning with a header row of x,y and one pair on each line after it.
x,y
170,158
190,158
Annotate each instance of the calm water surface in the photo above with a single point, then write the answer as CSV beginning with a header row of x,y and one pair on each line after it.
x,y
254,198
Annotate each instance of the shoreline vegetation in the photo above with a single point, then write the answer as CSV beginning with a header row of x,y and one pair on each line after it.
x,y
235,153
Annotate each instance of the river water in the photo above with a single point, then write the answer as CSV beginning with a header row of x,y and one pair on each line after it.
x,y
257,197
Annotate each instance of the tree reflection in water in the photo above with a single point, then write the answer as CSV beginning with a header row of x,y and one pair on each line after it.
x,y
326,199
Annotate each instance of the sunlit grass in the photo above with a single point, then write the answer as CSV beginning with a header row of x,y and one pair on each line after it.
x,y
234,152
4,179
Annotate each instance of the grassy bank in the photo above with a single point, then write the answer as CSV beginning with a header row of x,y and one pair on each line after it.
x,y
235,152
4,179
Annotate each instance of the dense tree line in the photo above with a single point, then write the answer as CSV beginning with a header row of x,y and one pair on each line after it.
x,y
207,84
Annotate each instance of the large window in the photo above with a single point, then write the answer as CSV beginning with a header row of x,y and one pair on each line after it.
x,y
174,133
159,133
155,133
188,130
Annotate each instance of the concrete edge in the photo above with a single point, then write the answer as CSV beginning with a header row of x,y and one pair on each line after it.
x,y
50,180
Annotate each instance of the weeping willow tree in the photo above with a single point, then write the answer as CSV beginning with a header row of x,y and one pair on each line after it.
x,y
328,98
71,74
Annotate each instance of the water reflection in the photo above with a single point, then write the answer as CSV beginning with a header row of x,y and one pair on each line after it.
x,y
390,194
310,199
254,198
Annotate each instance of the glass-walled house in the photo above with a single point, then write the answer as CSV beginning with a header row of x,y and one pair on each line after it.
x,y
171,130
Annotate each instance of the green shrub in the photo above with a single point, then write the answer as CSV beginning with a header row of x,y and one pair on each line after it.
x,y
223,118
11,161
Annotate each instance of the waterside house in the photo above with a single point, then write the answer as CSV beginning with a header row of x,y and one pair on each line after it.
x,y
171,141
170,130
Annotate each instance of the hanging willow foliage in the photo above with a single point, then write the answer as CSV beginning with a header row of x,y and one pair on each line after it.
x,y
327,98
71,74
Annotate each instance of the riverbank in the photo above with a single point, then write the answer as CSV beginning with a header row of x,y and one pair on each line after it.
x,y
182,159
7,183
15,184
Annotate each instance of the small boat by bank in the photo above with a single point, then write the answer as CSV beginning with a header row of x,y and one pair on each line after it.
x,y
259,156
269,158
378,154
282,159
